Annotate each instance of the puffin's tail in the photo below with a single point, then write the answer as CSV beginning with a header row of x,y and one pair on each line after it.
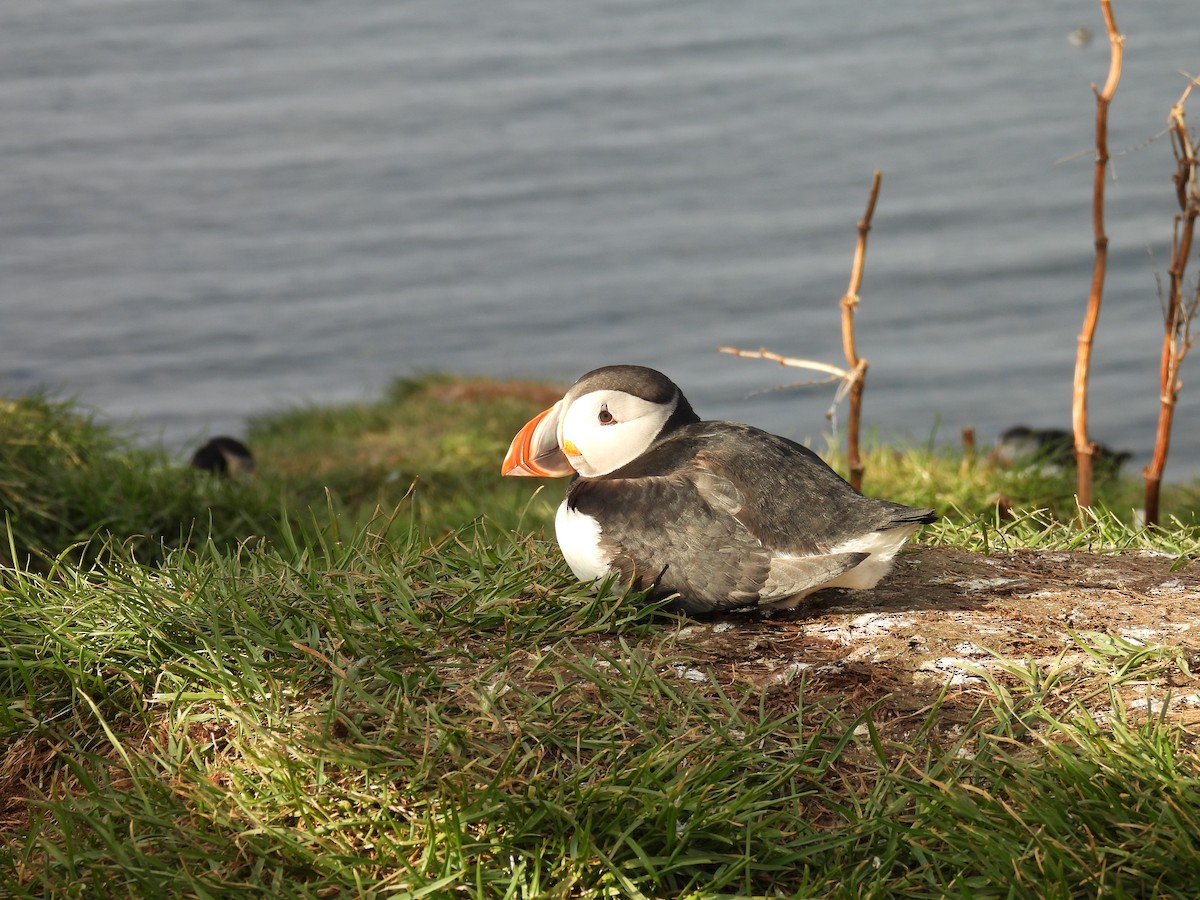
x,y
907,516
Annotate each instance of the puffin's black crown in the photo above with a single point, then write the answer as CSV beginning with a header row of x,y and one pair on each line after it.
x,y
640,381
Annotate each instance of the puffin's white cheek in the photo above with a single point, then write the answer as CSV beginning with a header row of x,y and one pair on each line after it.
x,y
583,467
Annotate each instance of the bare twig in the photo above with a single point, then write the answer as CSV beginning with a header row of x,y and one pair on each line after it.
x,y
970,452
764,353
855,373
1085,448
1177,315
849,303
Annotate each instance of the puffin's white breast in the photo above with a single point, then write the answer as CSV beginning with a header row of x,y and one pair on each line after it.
x,y
579,538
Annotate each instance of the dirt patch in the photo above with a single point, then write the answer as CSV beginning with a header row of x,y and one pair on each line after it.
x,y
944,618
483,389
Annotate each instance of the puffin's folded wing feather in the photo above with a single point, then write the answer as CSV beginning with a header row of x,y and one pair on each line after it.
x,y
791,576
670,532
789,499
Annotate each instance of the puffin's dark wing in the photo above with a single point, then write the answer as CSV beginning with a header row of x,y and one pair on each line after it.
x,y
680,534
794,503
660,531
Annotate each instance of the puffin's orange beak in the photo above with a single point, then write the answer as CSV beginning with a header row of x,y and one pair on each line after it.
x,y
535,451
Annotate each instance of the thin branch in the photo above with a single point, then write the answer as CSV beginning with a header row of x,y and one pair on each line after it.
x,y
970,451
849,303
1177,314
855,373
764,353
1084,447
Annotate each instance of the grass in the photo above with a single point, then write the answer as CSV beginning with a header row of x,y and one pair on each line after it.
x,y
380,694
68,485
437,440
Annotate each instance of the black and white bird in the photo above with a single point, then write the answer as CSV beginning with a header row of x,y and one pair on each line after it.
x,y
224,456
721,515
1051,451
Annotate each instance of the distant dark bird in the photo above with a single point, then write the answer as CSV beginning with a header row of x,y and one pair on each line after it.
x,y
1050,450
224,456
722,515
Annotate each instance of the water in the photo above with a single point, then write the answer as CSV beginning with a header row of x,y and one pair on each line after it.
x,y
213,210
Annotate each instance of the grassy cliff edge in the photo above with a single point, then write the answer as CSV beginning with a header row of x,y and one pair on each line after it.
x,y
367,672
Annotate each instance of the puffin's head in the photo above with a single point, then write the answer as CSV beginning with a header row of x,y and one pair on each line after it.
x,y
608,418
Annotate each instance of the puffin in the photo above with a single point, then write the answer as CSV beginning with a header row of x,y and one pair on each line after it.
x,y
706,516
224,455
1051,451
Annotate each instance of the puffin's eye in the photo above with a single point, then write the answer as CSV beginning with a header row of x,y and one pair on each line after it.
x,y
605,417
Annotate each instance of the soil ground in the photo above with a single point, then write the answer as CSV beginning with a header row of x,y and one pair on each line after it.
x,y
922,640
945,617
